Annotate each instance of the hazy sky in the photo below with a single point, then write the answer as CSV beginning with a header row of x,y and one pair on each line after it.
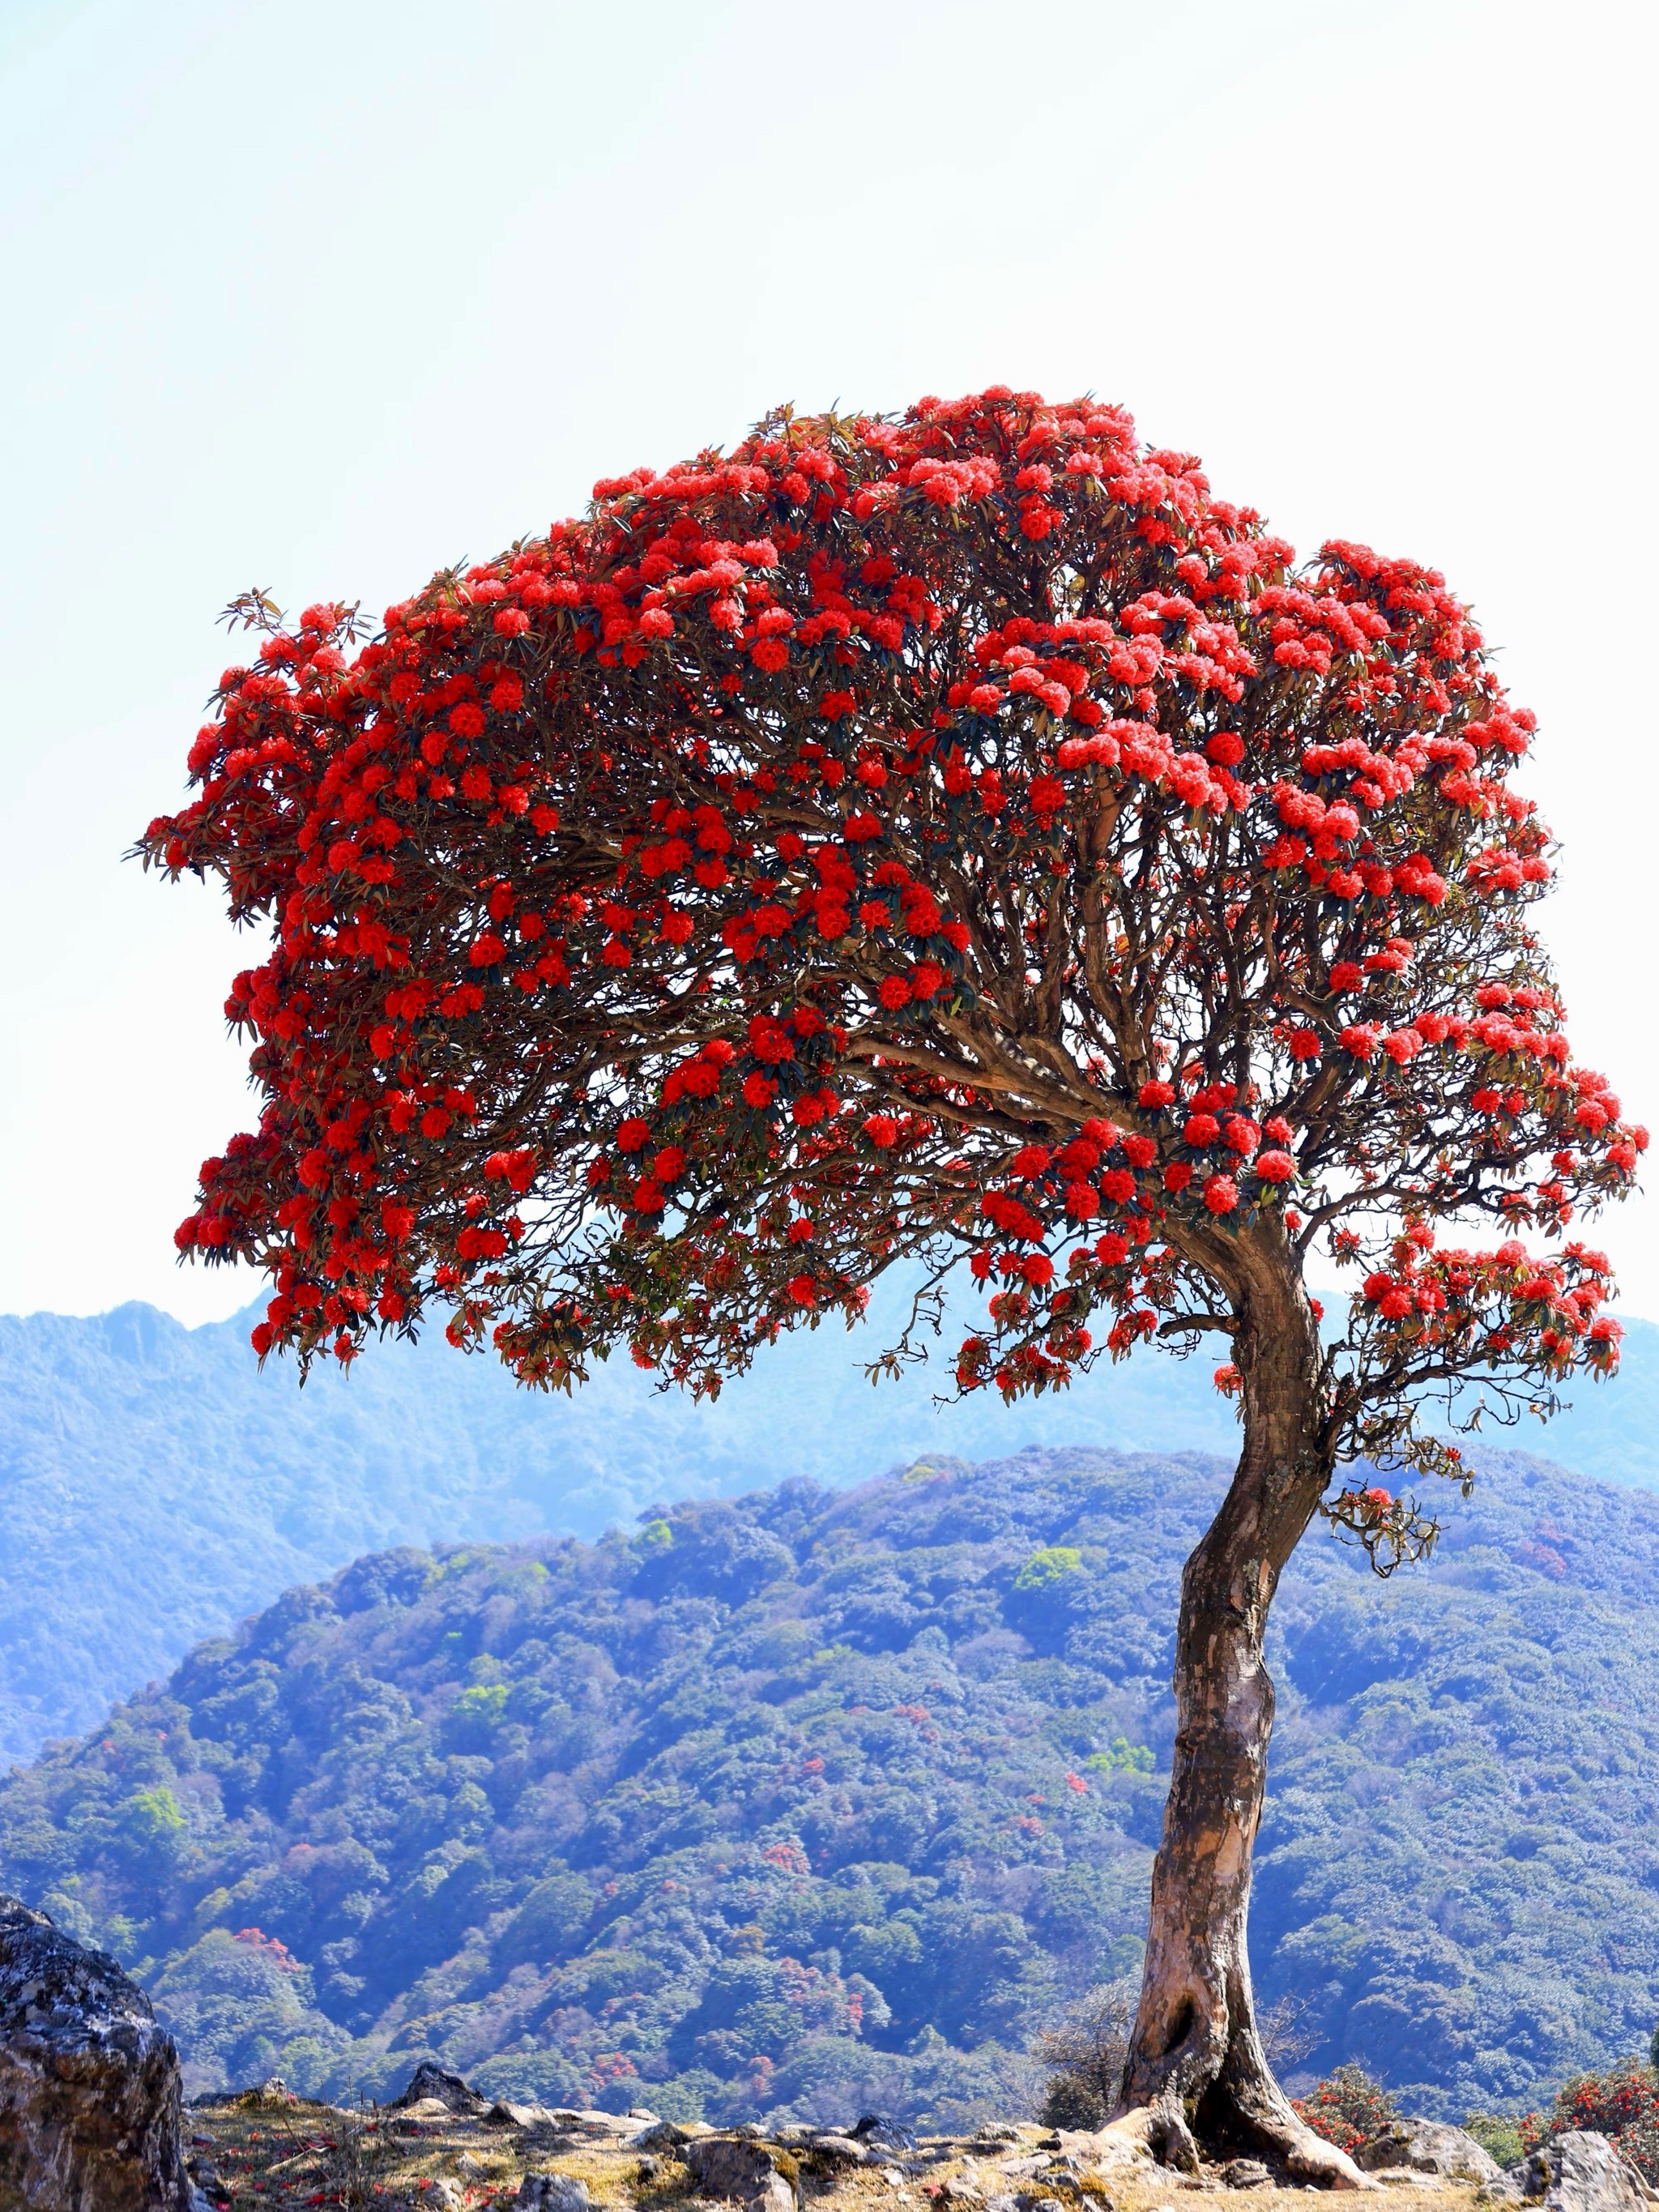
x,y
319,297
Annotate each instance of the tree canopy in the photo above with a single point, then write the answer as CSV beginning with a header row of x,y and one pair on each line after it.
x,y
955,835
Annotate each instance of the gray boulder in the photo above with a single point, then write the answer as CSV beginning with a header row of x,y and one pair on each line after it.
x,y
1428,2146
553,2193
1577,2173
877,2132
670,2135
450,2090
743,2173
830,2150
91,2101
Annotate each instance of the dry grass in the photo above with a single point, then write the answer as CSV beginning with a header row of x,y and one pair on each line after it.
x,y
301,2153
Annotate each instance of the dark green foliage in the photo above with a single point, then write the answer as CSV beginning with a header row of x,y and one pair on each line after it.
x,y
776,1806
1499,2133
1069,2102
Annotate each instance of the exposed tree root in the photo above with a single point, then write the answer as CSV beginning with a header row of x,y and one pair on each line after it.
x,y
1226,2125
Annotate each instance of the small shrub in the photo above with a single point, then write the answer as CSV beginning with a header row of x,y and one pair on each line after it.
x,y
1347,2108
1086,2055
1070,2103
1622,2104
1499,2133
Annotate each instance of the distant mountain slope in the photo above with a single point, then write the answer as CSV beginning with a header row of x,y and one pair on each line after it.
x,y
154,1486
809,1802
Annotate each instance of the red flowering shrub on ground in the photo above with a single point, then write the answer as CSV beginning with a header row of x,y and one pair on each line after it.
x,y
1347,2108
1622,2104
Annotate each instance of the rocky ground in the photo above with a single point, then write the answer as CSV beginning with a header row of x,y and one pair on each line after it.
x,y
272,2151
92,2116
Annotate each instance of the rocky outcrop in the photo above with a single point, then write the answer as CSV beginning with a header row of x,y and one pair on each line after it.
x,y
1577,2173
890,2138
91,2099
430,2081
1427,2147
756,2175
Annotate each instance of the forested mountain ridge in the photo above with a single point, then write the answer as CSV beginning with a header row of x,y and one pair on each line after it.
x,y
155,1485
805,1802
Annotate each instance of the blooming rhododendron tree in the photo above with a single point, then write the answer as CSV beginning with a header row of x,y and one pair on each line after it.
x,y
904,842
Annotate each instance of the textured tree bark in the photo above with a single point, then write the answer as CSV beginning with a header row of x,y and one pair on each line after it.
x,y
1197,2075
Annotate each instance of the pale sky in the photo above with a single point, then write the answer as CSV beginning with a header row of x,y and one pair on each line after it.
x,y
320,297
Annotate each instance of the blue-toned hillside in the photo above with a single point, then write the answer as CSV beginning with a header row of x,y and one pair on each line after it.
x,y
154,1486
811,1801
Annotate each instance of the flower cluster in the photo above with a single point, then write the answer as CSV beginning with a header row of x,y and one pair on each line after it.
x,y
1347,2108
959,834
1458,1304
1622,2104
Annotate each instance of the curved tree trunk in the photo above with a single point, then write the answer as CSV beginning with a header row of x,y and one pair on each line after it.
x,y
1196,2073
